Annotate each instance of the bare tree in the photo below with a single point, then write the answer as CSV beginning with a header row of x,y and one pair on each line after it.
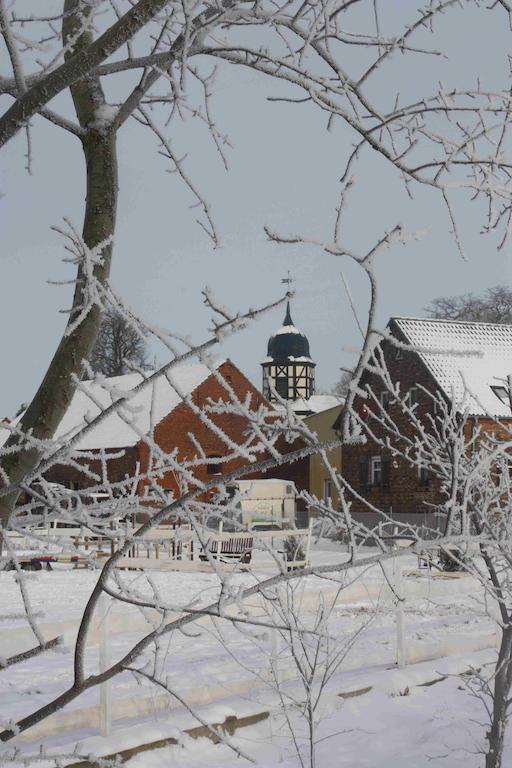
x,y
494,306
465,472
450,141
341,387
119,346
257,445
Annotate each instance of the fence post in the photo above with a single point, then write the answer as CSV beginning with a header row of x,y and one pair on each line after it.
x,y
308,541
398,583
104,662
274,656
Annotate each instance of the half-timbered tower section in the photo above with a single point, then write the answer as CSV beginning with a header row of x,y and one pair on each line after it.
x,y
288,369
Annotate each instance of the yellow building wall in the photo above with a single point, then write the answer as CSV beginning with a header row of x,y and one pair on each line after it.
x,y
321,424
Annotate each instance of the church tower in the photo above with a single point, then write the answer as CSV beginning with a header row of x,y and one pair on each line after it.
x,y
288,365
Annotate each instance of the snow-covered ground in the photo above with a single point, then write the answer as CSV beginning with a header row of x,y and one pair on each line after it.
x,y
417,727
221,670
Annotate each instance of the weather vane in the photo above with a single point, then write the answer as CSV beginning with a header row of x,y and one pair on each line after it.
x,y
288,281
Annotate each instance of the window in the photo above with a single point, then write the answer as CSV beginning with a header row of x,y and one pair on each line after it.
x,y
385,399
413,396
502,393
289,490
327,490
214,466
376,470
423,476
282,387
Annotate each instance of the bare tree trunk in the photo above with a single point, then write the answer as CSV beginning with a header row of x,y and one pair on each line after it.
x,y
57,388
502,687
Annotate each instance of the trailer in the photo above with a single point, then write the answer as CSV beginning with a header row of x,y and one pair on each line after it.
x,y
263,504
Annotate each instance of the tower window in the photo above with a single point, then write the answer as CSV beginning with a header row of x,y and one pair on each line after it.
x,y
282,386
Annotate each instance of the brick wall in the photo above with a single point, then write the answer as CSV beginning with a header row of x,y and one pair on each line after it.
x,y
405,498
118,470
175,430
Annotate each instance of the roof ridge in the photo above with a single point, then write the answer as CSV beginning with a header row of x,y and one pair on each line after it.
x,y
449,321
157,373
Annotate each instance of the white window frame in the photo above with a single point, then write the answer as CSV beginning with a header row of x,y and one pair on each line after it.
x,y
376,470
327,489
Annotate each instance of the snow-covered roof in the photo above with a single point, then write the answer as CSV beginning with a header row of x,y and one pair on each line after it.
x,y
146,409
314,404
319,403
466,359
287,329
288,344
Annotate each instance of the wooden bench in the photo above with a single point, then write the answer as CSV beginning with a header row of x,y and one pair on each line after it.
x,y
229,549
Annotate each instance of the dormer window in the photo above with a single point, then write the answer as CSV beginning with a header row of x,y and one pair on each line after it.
x,y
502,393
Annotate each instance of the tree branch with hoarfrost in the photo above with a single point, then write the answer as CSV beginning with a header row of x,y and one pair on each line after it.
x,y
269,439
449,139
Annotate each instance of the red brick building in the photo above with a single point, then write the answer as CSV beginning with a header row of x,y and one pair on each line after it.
x,y
170,414
465,365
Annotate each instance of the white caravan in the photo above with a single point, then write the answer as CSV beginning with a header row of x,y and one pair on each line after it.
x,y
265,504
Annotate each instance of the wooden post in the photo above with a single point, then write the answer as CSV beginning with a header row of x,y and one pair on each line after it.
x,y
308,541
398,583
274,656
104,662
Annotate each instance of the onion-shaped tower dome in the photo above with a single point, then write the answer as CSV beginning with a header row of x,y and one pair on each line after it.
x,y
288,368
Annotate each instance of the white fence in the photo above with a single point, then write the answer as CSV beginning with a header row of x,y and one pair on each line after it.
x,y
114,622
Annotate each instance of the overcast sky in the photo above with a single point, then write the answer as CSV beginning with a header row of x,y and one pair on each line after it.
x,y
284,171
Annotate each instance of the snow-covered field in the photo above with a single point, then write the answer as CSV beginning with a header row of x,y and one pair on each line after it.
x,y
410,727
223,670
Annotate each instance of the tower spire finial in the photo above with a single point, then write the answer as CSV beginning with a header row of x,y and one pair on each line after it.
x,y
288,318
288,281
